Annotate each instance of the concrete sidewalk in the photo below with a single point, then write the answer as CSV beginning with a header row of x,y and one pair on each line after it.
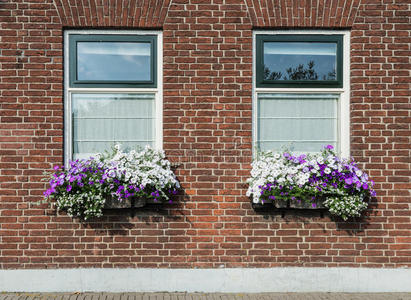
x,y
205,296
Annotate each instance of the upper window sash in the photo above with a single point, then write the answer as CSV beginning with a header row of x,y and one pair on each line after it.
x,y
75,82
262,82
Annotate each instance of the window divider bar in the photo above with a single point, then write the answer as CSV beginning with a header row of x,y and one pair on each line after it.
x,y
299,118
297,141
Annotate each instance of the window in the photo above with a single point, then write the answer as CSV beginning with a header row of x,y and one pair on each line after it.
x,y
285,60
112,91
301,90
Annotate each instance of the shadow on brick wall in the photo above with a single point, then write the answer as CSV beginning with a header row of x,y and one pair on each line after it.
x,y
320,217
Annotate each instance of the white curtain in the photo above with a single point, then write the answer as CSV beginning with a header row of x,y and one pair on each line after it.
x,y
304,122
99,121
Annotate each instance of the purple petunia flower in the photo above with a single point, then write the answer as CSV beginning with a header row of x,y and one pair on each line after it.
x,y
48,192
69,187
348,180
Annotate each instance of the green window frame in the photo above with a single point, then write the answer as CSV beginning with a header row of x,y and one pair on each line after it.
x,y
73,64
265,83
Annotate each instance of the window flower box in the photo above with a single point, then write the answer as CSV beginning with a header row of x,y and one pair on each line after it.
x,y
130,202
296,204
115,180
280,203
321,180
301,204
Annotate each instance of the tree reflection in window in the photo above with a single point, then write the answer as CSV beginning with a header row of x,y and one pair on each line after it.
x,y
298,73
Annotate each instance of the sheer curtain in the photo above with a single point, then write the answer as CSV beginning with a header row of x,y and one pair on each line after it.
x,y
305,122
102,120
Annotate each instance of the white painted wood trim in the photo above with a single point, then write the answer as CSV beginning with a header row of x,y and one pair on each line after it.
x,y
159,100
158,91
254,100
345,119
344,103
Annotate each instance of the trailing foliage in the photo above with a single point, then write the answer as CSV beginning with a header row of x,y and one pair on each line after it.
x,y
284,176
82,187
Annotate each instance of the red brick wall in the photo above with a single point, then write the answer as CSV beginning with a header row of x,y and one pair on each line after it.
x,y
207,131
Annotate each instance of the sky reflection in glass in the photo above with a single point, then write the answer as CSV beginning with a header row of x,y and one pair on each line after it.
x,y
113,61
300,61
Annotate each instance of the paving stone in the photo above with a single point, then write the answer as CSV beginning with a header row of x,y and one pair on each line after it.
x,y
205,296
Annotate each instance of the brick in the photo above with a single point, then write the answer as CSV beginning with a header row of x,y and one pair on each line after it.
x,y
207,105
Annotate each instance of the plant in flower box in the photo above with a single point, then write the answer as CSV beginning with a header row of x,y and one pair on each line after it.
x,y
84,186
314,179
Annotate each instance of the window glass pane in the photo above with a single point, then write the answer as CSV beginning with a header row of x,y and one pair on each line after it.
x,y
113,61
300,61
102,120
304,122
